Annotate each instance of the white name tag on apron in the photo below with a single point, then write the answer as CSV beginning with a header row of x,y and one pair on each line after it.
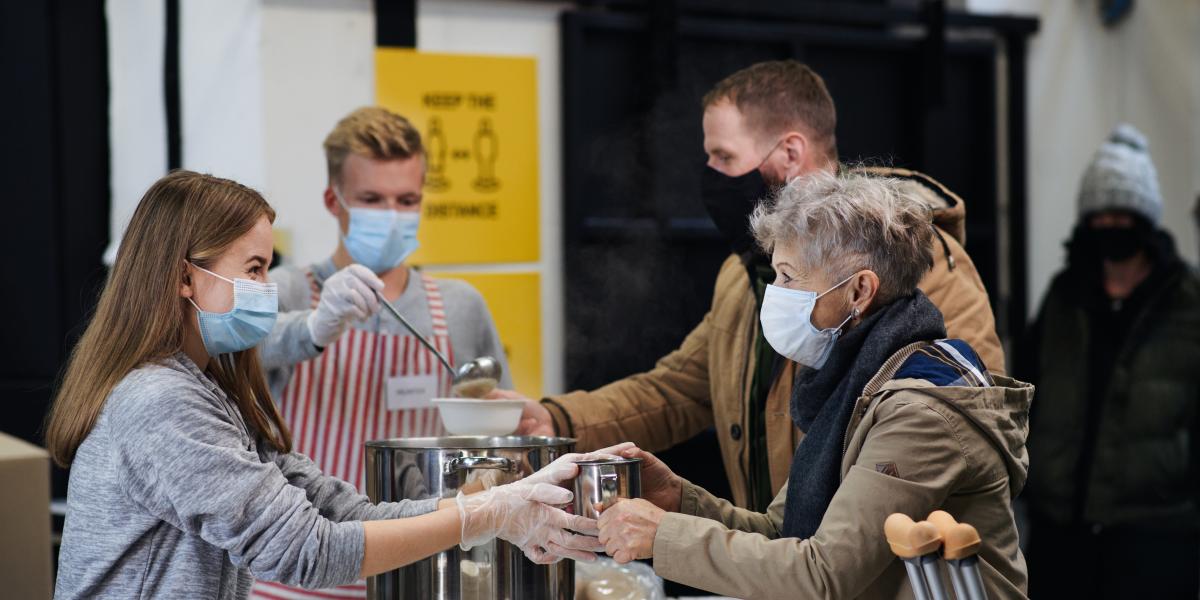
x,y
411,391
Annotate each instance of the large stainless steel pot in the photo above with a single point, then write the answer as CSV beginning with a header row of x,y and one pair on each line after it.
x,y
438,467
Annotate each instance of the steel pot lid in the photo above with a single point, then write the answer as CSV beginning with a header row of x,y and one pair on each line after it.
x,y
608,461
471,442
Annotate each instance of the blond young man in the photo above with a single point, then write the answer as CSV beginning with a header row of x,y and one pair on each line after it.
x,y
342,372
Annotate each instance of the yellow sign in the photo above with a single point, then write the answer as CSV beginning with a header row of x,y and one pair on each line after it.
x,y
478,121
514,300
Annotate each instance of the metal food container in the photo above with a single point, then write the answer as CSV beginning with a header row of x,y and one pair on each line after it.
x,y
602,482
437,468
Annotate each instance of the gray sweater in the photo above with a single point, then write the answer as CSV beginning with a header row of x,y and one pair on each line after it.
x,y
472,332
170,496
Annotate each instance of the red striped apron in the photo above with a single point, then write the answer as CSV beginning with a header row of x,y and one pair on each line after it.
x,y
336,402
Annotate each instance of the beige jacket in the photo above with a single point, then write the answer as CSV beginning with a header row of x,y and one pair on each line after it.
x,y
910,448
706,381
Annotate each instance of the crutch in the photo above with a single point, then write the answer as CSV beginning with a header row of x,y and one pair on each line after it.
x,y
960,548
917,545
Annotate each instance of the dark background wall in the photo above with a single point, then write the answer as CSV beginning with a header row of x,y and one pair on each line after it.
x,y
640,247
54,165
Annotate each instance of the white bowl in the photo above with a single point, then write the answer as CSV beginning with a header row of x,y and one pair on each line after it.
x,y
469,416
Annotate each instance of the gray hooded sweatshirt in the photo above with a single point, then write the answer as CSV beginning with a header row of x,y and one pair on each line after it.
x,y
171,496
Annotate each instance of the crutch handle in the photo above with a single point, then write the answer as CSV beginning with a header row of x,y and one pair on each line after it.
x,y
959,540
908,539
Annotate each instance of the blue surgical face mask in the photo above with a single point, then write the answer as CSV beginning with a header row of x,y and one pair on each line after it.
x,y
786,319
380,239
255,306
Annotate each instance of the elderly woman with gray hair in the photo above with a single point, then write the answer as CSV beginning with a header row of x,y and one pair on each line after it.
x,y
895,418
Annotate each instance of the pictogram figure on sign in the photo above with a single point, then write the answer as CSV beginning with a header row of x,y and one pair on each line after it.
x,y
486,151
435,151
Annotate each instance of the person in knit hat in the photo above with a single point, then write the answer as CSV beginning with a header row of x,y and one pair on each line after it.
x,y
1122,177
1114,352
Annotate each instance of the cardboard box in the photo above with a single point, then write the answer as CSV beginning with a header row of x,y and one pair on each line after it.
x,y
24,520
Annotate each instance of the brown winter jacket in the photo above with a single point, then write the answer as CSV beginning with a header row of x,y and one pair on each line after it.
x,y
706,381
911,447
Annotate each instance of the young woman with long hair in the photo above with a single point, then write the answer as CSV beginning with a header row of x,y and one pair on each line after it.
x,y
183,482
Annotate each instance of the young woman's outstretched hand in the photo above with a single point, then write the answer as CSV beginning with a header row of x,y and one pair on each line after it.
x,y
525,515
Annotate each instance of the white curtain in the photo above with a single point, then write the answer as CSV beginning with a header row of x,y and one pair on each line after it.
x,y
221,88
137,113
220,96
1084,78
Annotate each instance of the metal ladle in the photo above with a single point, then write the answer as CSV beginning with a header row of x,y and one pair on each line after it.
x,y
474,379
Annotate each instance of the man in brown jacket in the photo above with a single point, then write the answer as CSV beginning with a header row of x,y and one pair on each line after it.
x,y
773,120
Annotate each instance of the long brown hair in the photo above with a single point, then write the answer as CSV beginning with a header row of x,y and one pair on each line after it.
x,y
141,318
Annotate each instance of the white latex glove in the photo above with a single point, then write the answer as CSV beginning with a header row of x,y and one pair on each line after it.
x,y
347,295
520,514
564,468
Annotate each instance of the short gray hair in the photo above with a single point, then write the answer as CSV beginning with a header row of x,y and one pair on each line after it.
x,y
850,222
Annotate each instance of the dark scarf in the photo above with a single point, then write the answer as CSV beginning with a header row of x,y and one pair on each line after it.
x,y
822,401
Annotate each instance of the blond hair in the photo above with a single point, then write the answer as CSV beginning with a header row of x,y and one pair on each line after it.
x,y
373,132
141,319
850,222
780,95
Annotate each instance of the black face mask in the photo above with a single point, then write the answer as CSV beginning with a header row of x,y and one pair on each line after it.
x,y
1118,243
1111,243
729,201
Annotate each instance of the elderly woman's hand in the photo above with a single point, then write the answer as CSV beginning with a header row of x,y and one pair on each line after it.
x,y
660,485
627,529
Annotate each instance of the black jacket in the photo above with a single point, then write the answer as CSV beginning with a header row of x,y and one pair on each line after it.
x,y
1114,437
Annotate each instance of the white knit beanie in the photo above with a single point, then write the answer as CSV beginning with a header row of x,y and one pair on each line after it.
x,y
1122,177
